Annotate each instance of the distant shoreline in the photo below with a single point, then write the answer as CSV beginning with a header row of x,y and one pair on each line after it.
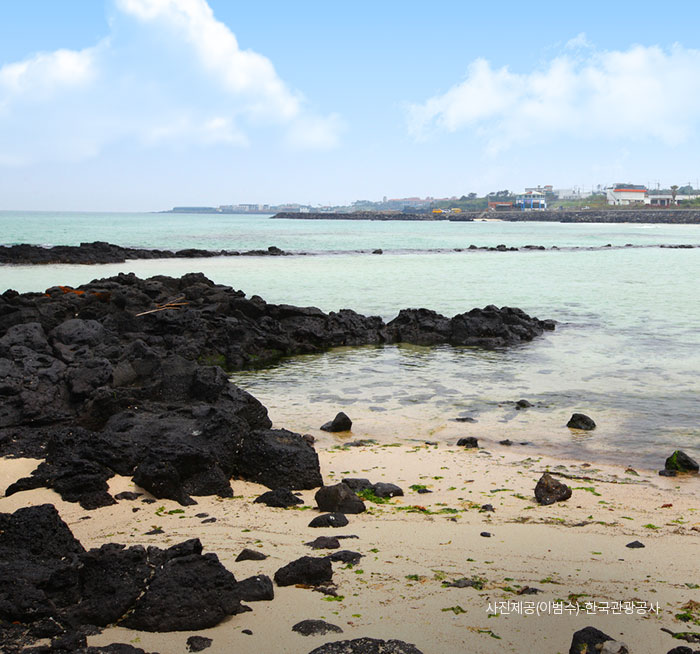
x,y
669,216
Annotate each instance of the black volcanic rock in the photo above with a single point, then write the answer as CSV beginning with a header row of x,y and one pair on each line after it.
x,y
187,592
581,421
367,646
338,498
280,498
315,628
50,582
679,461
550,490
306,570
341,422
329,520
126,376
256,589
586,639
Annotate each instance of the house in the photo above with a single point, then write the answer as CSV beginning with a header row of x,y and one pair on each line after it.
x,y
626,194
531,201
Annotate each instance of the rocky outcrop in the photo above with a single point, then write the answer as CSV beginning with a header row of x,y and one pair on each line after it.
x,y
101,252
49,579
125,375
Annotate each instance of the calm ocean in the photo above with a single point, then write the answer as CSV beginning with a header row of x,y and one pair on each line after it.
x,y
626,350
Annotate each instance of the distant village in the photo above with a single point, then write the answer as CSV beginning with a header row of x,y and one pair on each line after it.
x,y
536,198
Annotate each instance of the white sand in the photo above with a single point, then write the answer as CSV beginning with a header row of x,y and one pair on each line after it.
x,y
573,548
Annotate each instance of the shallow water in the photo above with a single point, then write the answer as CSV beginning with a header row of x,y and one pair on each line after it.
x,y
626,350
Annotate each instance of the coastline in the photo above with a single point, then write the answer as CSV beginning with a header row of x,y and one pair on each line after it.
x,y
571,551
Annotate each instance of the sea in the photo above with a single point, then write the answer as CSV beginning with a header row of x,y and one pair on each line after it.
x,y
626,350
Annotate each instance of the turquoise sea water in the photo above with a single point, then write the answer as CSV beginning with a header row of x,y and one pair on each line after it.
x,y
626,350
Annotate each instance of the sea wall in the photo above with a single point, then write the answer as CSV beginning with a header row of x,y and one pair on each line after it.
x,y
675,216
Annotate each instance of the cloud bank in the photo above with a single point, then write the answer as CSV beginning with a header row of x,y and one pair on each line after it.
x,y
643,93
170,74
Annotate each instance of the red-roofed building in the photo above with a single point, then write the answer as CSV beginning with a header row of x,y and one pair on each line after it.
x,y
625,194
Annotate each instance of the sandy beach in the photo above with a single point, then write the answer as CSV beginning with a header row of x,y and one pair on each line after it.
x,y
574,552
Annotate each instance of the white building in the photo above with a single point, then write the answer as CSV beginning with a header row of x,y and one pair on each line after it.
x,y
626,194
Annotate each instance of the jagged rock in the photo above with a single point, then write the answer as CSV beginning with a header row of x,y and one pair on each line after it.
x,y
367,646
198,643
468,442
581,421
280,497
329,520
250,555
256,589
587,640
306,570
187,592
315,628
341,422
549,490
338,499
679,461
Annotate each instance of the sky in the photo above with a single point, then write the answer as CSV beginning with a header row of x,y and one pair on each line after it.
x,y
129,105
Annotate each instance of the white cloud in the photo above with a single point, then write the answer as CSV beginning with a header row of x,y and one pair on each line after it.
x,y
643,93
200,89
215,45
45,73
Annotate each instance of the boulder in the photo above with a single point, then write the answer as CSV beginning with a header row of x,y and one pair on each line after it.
x,y
308,570
329,520
549,490
186,593
338,498
385,490
256,589
581,421
468,442
367,646
681,462
341,422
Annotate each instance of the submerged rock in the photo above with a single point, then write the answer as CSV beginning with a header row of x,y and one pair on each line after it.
x,y
581,421
549,490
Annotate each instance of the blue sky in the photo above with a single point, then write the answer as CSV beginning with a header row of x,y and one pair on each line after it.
x,y
146,104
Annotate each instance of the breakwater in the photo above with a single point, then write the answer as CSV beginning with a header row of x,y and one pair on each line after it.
x,y
671,216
